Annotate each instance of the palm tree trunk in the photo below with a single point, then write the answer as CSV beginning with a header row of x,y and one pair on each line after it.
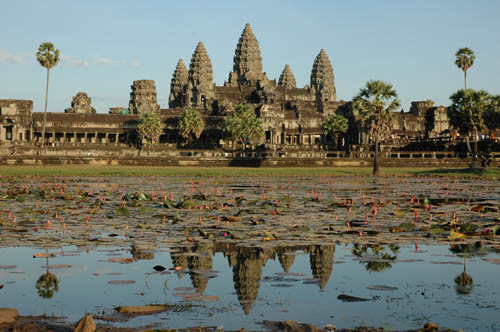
x,y
467,143
475,143
45,112
465,79
473,162
47,260
375,158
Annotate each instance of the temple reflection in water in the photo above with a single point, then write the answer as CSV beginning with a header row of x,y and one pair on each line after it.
x,y
247,264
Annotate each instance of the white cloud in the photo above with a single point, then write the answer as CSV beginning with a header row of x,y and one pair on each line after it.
x,y
134,63
6,56
74,61
107,61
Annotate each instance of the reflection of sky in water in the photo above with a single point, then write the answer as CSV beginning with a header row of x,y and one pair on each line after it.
x,y
426,292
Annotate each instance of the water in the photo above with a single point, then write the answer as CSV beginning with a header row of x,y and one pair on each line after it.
x,y
250,290
299,225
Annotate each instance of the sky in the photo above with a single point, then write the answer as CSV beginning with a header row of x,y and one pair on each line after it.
x,y
106,45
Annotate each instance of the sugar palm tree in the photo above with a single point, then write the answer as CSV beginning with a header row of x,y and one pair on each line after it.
x,y
467,114
373,107
150,128
191,124
464,60
48,57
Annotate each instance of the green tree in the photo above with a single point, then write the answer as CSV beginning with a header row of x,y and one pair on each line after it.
x,y
492,115
149,128
191,124
467,114
48,57
334,125
464,60
243,126
373,106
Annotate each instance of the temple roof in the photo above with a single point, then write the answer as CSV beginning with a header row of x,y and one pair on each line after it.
x,y
247,62
322,79
287,79
200,69
180,77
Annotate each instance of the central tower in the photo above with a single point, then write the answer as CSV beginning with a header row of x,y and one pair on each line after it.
x,y
247,62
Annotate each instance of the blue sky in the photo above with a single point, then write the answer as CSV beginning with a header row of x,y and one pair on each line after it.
x,y
108,44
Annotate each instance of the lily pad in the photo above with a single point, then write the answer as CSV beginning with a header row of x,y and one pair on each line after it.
x,y
121,282
382,288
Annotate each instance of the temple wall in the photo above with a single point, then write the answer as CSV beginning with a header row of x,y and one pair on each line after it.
x,y
239,158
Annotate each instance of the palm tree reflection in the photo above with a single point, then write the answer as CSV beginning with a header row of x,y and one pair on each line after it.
x,y
47,284
463,281
376,257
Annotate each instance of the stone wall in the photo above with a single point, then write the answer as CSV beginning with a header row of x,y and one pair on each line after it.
x,y
239,158
15,120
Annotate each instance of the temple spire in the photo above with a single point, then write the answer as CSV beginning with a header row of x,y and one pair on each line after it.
x,y
322,79
287,79
178,85
200,78
247,62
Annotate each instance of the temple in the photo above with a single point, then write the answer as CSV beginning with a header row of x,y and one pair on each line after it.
x,y
291,116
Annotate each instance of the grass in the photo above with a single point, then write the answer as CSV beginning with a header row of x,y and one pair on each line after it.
x,y
84,170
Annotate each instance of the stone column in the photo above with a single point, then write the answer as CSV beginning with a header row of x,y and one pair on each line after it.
x,y
15,134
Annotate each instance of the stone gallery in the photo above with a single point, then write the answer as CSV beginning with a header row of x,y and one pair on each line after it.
x,y
291,116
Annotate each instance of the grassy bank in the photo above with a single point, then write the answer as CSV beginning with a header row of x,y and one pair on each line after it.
x,y
230,171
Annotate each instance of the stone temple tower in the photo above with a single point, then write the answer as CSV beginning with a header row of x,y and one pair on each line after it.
x,y
287,79
178,86
200,79
247,62
143,97
322,83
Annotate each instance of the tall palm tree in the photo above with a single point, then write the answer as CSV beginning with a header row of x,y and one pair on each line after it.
x,y
465,60
48,57
467,114
373,106
191,124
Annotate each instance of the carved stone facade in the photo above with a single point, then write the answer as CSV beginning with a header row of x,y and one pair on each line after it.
x,y
247,62
16,121
287,79
178,86
81,103
200,87
322,84
143,97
